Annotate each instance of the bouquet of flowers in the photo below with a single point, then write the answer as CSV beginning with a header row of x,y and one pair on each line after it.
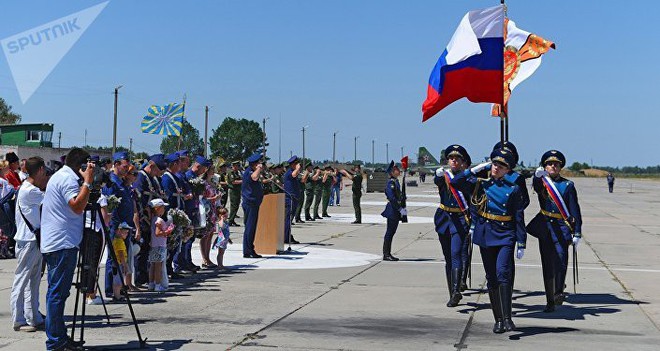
x,y
188,232
178,217
113,202
198,186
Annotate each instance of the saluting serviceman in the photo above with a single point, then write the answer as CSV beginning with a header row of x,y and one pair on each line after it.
x,y
234,180
356,188
393,210
308,180
499,225
328,181
558,225
301,194
252,193
452,220
291,194
317,179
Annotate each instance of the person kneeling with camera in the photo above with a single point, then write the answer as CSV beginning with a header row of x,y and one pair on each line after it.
x,y
61,234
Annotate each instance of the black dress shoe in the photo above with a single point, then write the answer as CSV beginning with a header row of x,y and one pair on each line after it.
x,y
389,258
309,219
318,217
299,221
326,215
549,308
175,276
356,222
294,241
256,255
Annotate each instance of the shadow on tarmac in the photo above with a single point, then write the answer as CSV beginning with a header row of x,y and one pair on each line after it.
x,y
150,345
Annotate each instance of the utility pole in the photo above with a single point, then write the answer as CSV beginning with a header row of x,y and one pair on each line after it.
x,y
402,152
263,140
334,145
206,131
130,146
59,142
373,152
279,144
387,153
355,148
85,145
114,129
303,135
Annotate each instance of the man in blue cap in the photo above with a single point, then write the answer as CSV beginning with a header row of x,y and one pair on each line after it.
x,y
124,211
499,225
146,188
452,220
558,225
252,193
183,260
393,210
291,195
173,188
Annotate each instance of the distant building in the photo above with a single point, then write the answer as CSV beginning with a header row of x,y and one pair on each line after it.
x,y
34,139
33,134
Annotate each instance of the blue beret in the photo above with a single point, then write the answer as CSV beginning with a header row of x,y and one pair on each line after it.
x,y
507,145
121,155
182,153
159,160
293,159
553,155
254,158
503,156
173,157
200,159
457,150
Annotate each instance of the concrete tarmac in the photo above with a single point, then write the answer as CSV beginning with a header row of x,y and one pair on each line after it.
x,y
316,298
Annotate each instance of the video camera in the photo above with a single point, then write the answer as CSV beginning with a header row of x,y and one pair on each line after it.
x,y
100,177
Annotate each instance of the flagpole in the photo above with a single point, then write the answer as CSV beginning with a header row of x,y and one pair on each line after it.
x,y
504,120
183,119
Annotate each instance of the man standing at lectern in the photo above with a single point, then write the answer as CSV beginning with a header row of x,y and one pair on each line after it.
x,y
252,192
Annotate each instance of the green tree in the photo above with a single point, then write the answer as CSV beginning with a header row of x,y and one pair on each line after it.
x,y
236,139
190,141
6,116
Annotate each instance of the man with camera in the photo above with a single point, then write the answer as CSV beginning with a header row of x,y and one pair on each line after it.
x,y
61,233
24,300
124,211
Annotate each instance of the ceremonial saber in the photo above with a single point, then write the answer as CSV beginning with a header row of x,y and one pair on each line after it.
x,y
576,277
469,260
404,165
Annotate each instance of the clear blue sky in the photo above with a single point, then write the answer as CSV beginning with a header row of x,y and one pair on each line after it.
x,y
356,67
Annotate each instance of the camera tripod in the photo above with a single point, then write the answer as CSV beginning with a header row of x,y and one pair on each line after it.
x,y
87,276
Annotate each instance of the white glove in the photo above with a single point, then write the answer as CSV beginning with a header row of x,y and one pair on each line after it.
x,y
440,172
471,232
576,241
520,253
403,211
540,172
480,167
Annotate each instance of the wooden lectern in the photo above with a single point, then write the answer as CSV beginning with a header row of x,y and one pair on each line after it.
x,y
269,238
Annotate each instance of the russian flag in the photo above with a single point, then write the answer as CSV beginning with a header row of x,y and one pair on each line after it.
x,y
472,64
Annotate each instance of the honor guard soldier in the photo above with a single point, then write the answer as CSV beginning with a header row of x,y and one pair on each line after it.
x,y
291,195
452,220
498,216
308,181
277,185
234,180
317,179
393,210
558,225
356,188
174,192
328,181
301,194
252,193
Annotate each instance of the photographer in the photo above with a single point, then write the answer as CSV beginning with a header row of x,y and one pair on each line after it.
x,y
124,211
61,234
24,301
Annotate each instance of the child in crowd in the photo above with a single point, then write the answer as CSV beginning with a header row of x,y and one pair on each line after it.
x,y
222,228
119,246
160,230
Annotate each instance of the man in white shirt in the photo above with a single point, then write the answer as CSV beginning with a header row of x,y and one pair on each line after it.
x,y
24,301
61,234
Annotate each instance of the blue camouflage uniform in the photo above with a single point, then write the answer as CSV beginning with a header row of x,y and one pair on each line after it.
x,y
172,187
554,234
252,193
391,212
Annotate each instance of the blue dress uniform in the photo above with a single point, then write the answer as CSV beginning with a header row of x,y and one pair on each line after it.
x,y
554,234
291,198
146,189
123,212
498,217
452,226
392,212
252,193
172,188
